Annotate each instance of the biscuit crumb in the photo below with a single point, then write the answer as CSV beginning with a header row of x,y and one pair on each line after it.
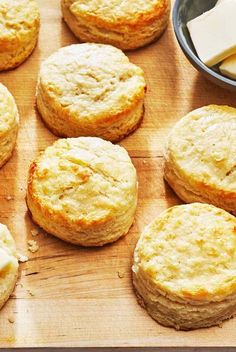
x,y
220,325
34,232
120,274
19,284
33,246
144,162
30,292
11,319
9,198
22,258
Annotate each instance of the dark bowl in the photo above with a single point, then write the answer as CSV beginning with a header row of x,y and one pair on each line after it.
x,y
183,11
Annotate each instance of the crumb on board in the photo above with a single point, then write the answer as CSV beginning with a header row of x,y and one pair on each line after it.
x,y
22,258
9,198
33,246
30,292
120,274
19,284
34,232
144,162
11,319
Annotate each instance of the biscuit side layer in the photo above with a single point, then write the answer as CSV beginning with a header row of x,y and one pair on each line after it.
x,y
127,38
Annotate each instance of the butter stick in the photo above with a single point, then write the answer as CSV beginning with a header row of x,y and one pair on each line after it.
x,y
214,33
228,67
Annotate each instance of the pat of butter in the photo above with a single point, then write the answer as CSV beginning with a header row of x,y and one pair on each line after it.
x,y
214,33
5,259
228,67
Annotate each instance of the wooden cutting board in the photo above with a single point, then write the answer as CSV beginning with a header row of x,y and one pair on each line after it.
x,y
70,296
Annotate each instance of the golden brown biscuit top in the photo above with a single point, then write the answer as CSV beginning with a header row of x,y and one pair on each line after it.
x,y
17,17
92,81
84,179
202,147
8,110
189,251
116,12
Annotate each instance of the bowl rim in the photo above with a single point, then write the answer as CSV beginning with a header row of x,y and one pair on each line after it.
x,y
189,53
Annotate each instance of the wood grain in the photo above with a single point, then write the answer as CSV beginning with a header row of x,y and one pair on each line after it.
x,y
70,296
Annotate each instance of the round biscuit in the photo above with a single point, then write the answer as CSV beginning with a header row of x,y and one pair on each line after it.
x,y
184,270
19,27
91,90
200,158
83,190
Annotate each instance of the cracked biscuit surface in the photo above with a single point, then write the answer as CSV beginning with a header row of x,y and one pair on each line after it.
x,y
19,27
83,190
9,124
127,24
184,270
91,90
200,158
8,264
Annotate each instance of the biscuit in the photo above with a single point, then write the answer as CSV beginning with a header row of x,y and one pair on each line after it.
x,y
91,90
8,264
127,24
200,158
19,27
83,190
9,124
184,267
